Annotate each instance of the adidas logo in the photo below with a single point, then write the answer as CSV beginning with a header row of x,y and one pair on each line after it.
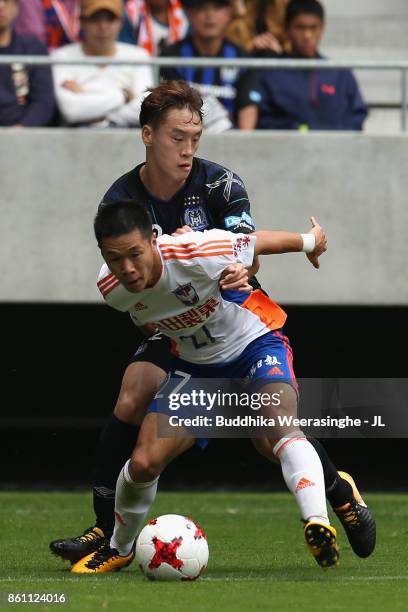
x,y
119,518
303,483
275,371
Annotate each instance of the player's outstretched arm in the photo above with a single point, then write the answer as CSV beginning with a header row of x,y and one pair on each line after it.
x,y
314,243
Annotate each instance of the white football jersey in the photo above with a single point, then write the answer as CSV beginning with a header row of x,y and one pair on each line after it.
x,y
186,303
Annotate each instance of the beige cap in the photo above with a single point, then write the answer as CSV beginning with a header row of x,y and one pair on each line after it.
x,y
89,7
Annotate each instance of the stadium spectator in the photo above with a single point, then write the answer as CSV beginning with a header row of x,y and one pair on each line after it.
x,y
153,24
259,27
229,94
101,96
309,99
55,22
26,92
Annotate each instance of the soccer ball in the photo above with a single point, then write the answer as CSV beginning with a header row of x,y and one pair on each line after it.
x,y
172,547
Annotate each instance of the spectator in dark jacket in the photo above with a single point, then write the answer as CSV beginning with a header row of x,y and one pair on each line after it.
x,y
309,99
229,94
26,92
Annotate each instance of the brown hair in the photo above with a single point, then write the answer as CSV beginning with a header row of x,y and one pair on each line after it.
x,y
168,95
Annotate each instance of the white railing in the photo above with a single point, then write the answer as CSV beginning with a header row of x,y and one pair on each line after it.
x,y
220,62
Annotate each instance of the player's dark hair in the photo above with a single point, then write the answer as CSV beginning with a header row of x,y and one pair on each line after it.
x,y
168,95
295,8
123,217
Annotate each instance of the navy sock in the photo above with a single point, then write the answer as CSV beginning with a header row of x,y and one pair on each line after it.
x,y
116,444
338,490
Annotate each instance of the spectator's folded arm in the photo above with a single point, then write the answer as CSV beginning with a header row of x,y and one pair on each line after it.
x,y
128,114
88,106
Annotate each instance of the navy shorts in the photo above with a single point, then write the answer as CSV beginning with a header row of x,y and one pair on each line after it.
x,y
156,350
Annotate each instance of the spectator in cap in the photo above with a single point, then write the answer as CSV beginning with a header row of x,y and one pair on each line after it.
x,y
309,99
101,95
26,92
229,94
54,22
153,24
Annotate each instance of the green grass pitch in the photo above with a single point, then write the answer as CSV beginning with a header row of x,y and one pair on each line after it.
x,y
258,560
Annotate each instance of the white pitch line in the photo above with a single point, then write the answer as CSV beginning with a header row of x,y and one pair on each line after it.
x,y
40,581
322,579
214,579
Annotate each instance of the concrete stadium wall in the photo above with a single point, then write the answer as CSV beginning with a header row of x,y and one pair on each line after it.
x,y
367,23
356,186
364,9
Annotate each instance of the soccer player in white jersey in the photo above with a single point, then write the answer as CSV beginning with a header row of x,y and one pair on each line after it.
x,y
172,283
182,191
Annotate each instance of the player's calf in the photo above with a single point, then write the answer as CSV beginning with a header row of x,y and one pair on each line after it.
x,y
140,383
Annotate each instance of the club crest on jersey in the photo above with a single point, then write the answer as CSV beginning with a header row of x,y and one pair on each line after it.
x,y
187,294
196,218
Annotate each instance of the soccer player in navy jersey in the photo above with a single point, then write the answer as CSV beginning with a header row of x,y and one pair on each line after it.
x,y
182,193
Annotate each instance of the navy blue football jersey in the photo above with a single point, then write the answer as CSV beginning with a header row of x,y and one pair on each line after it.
x,y
212,197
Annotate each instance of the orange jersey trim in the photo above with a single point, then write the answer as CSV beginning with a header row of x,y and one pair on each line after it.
x,y
105,280
192,249
195,245
108,287
195,255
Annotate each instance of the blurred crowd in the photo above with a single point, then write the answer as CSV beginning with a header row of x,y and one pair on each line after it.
x,y
107,95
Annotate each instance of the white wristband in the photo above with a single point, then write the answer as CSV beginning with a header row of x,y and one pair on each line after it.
x,y
309,243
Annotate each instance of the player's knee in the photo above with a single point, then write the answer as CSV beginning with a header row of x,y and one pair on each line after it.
x,y
136,394
143,468
129,409
132,403
265,447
